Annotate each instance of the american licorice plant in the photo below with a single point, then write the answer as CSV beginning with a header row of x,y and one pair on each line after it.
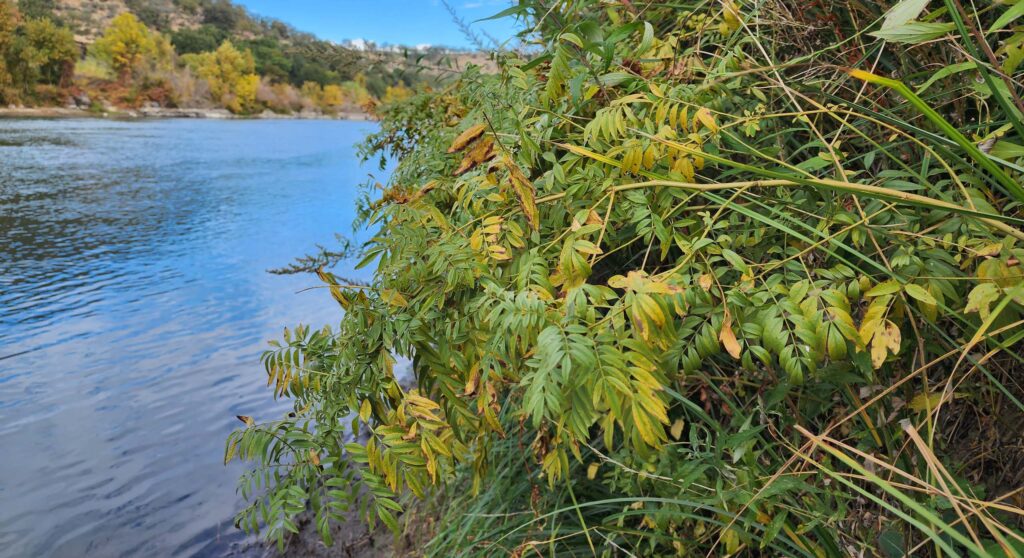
x,y
688,278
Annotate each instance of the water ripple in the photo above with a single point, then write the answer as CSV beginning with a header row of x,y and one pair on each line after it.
x,y
133,308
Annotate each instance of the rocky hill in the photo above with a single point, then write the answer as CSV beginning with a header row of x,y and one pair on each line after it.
x,y
88,18
216,20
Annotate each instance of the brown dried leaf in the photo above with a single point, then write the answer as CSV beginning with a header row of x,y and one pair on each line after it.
x,y
482,151
467,137
524,192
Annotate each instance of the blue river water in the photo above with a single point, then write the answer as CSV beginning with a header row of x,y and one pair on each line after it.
x,y
134,305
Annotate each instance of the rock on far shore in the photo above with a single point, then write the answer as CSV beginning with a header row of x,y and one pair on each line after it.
x,y
157,112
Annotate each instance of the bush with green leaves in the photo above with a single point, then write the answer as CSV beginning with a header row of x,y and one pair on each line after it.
x,y
690,278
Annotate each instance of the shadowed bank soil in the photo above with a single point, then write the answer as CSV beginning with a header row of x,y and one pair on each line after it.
x,y
352,539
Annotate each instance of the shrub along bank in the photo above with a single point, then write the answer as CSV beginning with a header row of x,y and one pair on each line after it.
x,y
691,278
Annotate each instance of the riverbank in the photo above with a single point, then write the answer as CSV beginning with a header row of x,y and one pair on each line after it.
x,y
211,114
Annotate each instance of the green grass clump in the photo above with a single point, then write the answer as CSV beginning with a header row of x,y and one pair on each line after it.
x,y
688,278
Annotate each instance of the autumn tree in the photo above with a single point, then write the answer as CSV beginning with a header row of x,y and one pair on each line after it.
x,y
129,47
313,91
396,93
231,74
332,97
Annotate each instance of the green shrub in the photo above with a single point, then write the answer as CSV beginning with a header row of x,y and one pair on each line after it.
x,y
679,283
205,38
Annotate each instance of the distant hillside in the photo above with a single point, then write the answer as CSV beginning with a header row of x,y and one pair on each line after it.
x,y
197,25
135,54
88,18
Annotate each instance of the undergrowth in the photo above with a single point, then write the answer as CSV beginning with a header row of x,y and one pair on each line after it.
x,y
688,278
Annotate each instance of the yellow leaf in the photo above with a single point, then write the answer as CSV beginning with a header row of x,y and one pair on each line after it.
x,y
589,154
891,334
705,281
728,338
990,250
411,435
466,137
730,17
314,456
649,431
471,383
592,470
868,328
420,401
707,119
394,298
925,401
878,351
365,410
651,308
524,192
498,252
677,428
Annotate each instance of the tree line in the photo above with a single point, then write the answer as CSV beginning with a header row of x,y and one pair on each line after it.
x,y
133,64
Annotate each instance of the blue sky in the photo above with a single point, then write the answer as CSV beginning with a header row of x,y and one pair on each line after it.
x,y
405,22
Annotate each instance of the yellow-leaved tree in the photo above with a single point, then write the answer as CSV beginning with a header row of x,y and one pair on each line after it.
x,y
231,74
130,48
397,93
333,97
313,92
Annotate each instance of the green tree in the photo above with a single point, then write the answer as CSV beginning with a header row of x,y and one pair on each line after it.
x,y
37,8
148,13
49,50
205,38
129,47
9,20
271,60
223,14
306,68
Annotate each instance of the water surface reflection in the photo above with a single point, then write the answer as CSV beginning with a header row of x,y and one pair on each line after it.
x,y
133,308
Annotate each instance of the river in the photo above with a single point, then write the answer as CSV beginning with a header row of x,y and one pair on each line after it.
x,y
134,304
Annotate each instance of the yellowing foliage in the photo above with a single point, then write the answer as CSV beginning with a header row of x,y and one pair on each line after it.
x,y
669,285
397,93
231,74
128,46
332,96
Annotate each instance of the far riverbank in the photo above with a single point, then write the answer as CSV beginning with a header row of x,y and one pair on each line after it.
x,y
212,114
